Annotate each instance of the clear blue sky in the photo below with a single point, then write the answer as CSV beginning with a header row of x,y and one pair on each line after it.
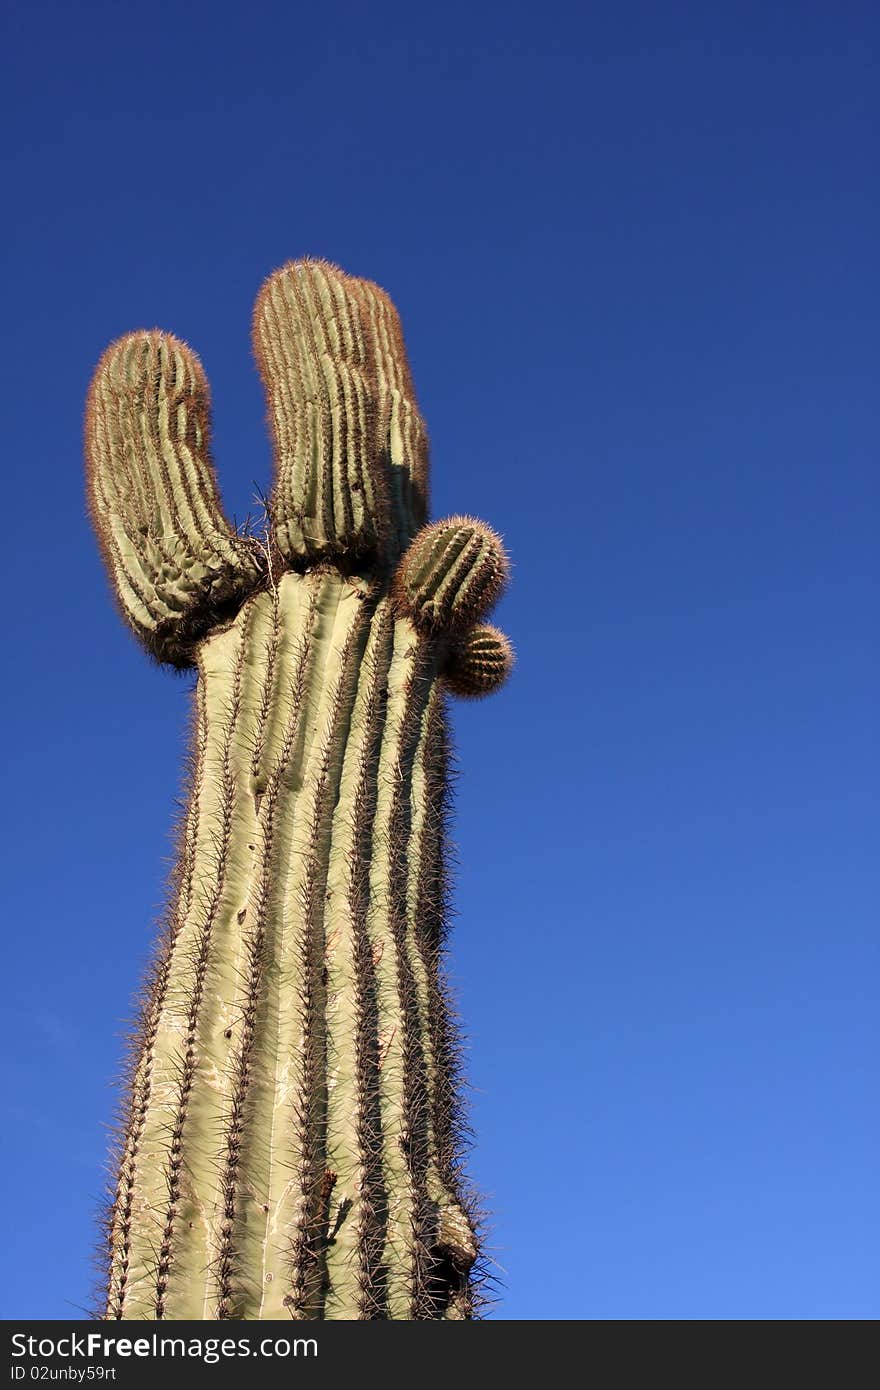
x,y
634,249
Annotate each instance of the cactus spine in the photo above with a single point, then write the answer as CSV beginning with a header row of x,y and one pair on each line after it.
x,y
290,1138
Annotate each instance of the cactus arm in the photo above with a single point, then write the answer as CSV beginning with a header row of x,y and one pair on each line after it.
x,y
175,563
318,367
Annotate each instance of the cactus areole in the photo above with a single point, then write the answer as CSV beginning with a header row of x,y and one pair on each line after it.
x,y
290,1135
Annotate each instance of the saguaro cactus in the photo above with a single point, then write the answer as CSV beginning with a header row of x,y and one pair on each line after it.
x,y
290,1138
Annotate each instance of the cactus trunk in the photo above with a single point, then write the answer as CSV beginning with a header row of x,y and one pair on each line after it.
x,y
290,1143
291,1148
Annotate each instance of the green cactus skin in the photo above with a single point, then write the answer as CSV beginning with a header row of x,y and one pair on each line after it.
x,y
290,1136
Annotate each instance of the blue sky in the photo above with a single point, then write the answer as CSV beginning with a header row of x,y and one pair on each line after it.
x,y
634,250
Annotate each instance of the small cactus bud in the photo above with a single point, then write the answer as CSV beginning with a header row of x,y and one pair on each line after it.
x,y
451,575
479,662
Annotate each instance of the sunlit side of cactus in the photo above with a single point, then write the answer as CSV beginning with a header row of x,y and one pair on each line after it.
x,y
290,1143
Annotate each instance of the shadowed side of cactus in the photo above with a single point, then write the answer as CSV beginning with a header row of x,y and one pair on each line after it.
x,y
290,1142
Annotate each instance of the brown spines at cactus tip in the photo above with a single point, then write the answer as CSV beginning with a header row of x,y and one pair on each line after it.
x,y
478,662
451,575
317,360
176,564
